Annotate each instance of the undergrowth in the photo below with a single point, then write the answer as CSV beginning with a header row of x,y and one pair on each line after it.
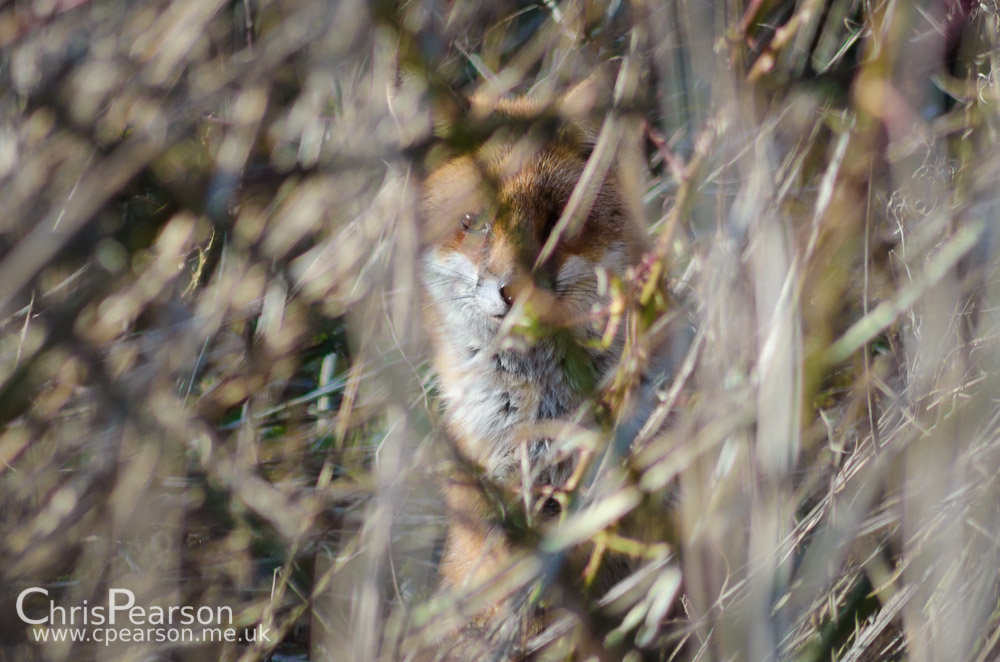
x,y
214,387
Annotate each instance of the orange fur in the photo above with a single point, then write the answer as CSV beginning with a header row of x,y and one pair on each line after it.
x,y
487,216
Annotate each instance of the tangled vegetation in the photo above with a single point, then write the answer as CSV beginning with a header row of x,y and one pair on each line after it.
x,y
214,385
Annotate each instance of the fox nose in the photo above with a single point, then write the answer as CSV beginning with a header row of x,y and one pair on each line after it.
x,y
505,294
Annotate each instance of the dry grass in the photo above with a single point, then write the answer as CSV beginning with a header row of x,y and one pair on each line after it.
x,y
213,385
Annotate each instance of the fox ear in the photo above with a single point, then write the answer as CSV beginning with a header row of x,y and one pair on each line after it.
x,y
587,102
448,108
418,86
435,110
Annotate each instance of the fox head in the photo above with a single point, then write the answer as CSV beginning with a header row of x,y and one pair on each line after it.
x,y
490,216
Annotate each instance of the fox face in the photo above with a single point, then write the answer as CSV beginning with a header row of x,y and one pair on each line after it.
x,y
489,216
494,215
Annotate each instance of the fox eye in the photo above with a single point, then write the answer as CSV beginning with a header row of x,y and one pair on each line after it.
x,y
473,221
550,224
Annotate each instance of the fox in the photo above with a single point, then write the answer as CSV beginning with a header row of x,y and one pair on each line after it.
x,y
497,252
